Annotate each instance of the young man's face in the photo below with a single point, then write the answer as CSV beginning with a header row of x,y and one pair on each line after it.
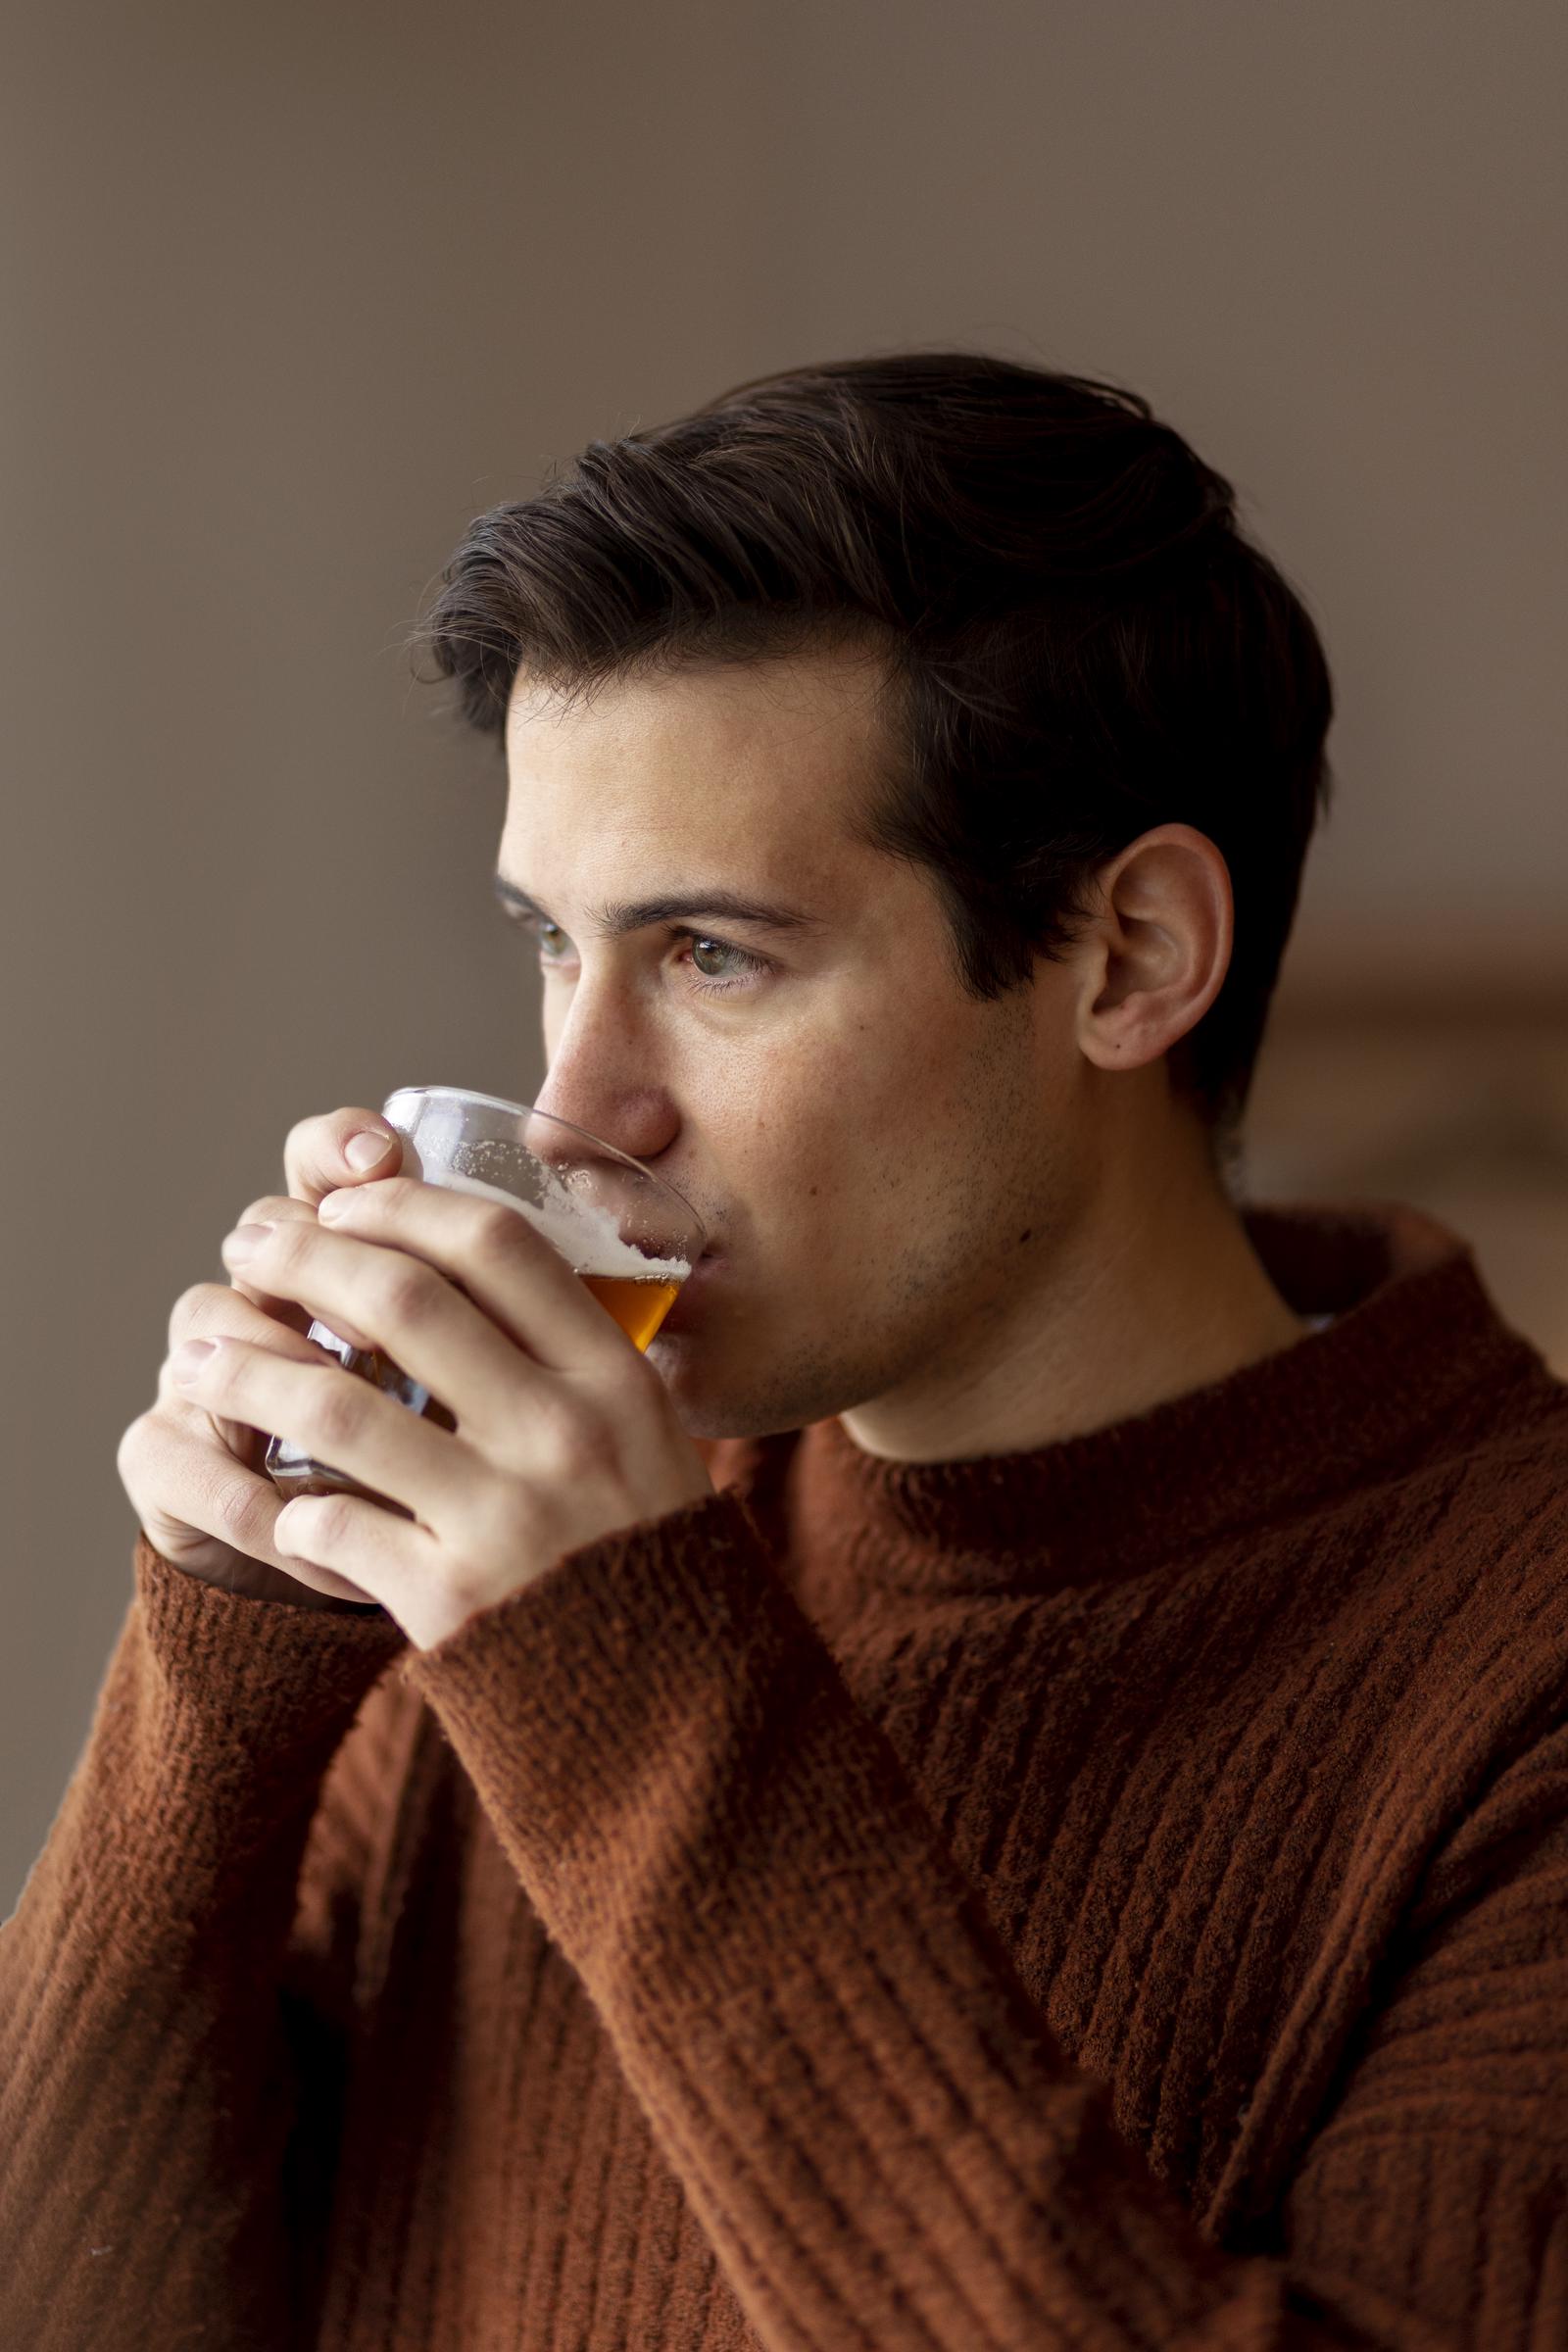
x,y
882,1163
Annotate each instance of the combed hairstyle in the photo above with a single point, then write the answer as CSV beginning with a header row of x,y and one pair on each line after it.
x,y
1080,643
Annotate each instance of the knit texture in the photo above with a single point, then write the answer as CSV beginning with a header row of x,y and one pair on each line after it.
x,y
1113,1895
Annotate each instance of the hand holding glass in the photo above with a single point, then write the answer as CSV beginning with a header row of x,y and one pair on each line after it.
x,y
630,1237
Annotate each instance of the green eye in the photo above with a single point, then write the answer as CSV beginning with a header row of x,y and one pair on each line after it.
x,y
717,948
740,970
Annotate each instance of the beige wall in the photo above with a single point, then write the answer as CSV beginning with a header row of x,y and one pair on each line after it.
x,y
289,293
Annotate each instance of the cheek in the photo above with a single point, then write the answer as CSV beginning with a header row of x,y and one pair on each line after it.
x,y
883,1081
828,1156
840,1114
817,1096
788,1139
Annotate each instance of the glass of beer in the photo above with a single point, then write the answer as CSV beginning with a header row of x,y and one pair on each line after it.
x,y
630,1237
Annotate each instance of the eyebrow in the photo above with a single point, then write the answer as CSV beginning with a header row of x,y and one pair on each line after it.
x,y
617,916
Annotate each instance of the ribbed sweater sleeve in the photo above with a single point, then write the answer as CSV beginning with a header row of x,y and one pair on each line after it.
x,y
156,1981
882,2138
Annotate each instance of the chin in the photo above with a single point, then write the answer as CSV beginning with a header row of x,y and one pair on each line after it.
x,y
718,1394
703,1397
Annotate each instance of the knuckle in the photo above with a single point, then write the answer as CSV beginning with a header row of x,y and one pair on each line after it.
x,y
314,1132
576,1442
622,1398
495,1241
338,1412
193,1308
132,1445
329,1522
289,1240
313,1150
410,1294
630,1384
244,1516
268,1205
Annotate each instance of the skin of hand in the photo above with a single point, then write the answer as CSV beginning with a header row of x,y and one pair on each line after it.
x,y
564,1433
196,1482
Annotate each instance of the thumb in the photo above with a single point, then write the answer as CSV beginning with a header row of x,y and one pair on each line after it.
x,y
339,1148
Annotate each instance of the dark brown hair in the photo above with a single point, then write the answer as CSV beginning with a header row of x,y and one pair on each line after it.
x,y
1080,644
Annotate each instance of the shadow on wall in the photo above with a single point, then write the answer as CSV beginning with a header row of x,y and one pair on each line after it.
x,y
1461,1112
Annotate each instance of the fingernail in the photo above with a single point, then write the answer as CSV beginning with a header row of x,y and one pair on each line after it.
x,y
187,1360
363,1149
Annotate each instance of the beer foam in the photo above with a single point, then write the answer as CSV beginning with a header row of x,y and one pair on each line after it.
x,y
587,1237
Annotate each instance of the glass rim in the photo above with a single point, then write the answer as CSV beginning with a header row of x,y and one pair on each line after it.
x,y
471,1094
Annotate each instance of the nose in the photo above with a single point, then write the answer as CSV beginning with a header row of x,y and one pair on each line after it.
x,y
600,1077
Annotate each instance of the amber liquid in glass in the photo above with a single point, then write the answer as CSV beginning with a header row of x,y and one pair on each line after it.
x,y
639,1303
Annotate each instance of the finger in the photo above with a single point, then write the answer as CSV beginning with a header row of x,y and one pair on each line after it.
x,y
502,1262
335,1417
362,1548
209,1310
417,1319
271,1209
221,1497
316,1152
288,1311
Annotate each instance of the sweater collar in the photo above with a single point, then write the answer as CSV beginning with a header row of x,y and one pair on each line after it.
x,y
1417,1355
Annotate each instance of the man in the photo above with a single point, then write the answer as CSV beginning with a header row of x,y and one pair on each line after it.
x,y
1007,1785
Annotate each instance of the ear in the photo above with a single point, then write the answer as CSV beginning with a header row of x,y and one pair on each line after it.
x,y
1158,949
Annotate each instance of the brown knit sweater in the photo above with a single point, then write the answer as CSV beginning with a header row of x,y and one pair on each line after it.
x,y
1112,1895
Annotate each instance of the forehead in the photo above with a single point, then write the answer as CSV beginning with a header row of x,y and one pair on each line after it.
x,y
762,763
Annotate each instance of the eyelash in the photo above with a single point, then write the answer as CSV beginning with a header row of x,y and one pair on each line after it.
x,y
751,966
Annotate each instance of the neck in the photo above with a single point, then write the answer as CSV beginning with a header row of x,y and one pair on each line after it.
x,y
1154,1289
